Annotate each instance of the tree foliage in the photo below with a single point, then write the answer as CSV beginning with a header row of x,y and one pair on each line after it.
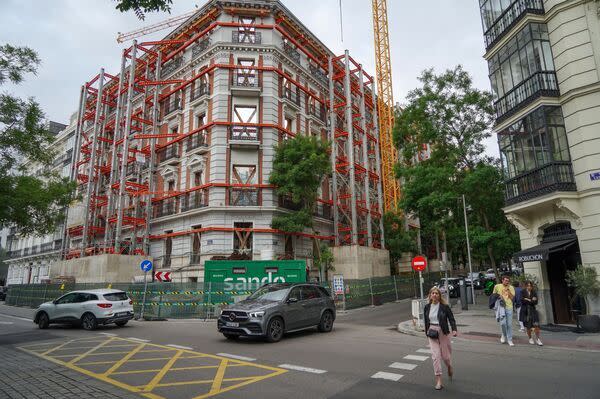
x,y
141,7
451,118
299,166
397,239
32,203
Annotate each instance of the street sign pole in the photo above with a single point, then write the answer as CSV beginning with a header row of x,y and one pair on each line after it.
x,y
144,295
468,250
421,283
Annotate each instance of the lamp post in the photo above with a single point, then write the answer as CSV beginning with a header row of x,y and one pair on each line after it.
x,y
468,248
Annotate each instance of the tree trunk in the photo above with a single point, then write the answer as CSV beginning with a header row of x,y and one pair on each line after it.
x,y
490,248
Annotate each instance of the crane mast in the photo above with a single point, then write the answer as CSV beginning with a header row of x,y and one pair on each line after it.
x,y
385,106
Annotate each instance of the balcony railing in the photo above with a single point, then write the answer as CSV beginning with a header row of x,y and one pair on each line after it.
x,y
245,79
15,253
540,84
513,14
243,196
199,48
323,211
199,91
171,67
318,73
166,207
243,133
172,106
170,152
291,95
319,112
246,37
194,200
287,203
291,51
555,176
47,246
197,140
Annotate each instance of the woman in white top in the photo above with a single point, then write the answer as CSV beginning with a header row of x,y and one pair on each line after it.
x,y
437,316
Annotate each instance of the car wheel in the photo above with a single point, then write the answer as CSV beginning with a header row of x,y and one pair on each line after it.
x,y
275,329
231,337
89,322
326,323
43,321
121,323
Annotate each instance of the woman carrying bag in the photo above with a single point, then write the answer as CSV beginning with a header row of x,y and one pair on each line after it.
x,y
437,314
529,314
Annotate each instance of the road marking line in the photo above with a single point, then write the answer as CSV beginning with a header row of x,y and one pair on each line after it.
x,y
415,357
424,351
403,366
248,359
159,376
57,347
108,334
125,358
15,317
138,339
78,358
300,368
218,381
382,375
6,322
180,347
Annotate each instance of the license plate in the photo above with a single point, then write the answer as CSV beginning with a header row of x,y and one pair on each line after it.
x,y
121,314
230,324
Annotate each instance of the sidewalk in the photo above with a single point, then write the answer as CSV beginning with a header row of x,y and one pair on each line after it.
x,y
16,311
478,323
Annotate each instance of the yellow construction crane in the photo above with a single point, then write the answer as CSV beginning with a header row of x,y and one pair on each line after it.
x,y
121,37
385,106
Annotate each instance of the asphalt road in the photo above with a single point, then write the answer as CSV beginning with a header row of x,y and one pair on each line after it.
x,y
340,364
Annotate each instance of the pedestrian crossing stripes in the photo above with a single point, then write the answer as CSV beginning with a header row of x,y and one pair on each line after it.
x,y
402,366
416,357
424,351
382,375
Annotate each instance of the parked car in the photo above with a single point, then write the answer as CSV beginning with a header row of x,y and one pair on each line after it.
x,y
86,308
453,286
3,293
477,278
278,308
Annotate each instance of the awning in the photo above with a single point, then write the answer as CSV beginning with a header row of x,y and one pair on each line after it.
x,y
542,252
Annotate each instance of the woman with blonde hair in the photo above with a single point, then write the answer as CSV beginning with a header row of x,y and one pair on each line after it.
x,y
437,316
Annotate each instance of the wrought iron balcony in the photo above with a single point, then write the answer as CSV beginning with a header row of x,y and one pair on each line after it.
x,y
319,74
195,200
509,18
199,91
291,52
166,207
199,47
323,211
246,37
197,140
170,152
319,112
243,133
540,84
555,176
172,106
245,79
171,67
243,196
292,96
15,253
46,247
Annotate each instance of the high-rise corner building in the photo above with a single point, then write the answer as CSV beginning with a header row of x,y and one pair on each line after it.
x,y
544,68
174,158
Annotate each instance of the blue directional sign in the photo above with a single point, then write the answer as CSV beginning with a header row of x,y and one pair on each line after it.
x,y
146,265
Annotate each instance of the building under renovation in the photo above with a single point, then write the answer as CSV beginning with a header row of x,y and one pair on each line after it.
x,y
174,151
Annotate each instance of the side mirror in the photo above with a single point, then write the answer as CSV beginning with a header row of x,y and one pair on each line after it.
x,y
292,300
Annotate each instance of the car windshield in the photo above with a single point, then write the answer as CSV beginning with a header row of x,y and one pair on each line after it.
x,y
270,293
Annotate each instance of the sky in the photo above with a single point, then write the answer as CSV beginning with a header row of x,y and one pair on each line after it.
x,y
74,38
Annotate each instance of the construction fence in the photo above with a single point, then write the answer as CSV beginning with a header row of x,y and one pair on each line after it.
x,y
204,300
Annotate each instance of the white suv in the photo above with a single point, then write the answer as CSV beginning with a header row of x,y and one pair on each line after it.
x,y
88,308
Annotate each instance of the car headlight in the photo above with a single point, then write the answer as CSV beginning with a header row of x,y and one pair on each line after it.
x,y
257,315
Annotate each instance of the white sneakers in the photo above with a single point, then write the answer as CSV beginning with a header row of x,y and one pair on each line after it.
x,y
539,342
502,339
510,343
521,329
531,341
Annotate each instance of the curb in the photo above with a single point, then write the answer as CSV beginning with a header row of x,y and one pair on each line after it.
x,y
407,327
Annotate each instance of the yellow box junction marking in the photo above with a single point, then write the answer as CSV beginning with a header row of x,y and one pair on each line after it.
x,y
205,387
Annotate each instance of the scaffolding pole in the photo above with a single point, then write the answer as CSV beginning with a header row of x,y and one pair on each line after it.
x,y
332,122
92,163
378,166
350,146
365,145
125,153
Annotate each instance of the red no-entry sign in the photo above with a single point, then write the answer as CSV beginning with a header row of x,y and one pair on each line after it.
x,y
419,263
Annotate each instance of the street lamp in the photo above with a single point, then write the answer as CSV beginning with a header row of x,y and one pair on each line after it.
x,y
468,248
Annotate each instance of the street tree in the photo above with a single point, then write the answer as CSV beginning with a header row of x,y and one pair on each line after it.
x,y
31,202
451,119
141,7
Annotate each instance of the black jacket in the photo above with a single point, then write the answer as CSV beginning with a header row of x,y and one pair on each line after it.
x,y
444,315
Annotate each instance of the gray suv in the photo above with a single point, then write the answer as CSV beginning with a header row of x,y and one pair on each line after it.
x,y
275,309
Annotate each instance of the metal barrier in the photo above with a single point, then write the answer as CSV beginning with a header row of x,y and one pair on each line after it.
x,y
204,300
